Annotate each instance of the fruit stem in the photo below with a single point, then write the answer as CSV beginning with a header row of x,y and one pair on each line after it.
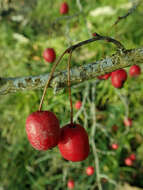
x,y
50,77
69,85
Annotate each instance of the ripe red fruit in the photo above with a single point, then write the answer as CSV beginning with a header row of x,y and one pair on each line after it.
x,y
90,170
70,184
94,34
132,157
114,146
64,8
49,55
118,78
74,143
134,71
128,122
43,131
78,104
106,76
128,162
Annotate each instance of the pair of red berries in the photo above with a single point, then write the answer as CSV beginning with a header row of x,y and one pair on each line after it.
x,y
119,76
89,172
128,122
129,160
43,131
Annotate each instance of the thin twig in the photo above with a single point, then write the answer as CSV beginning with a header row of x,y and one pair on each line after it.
x,y
71,49
69,86
79,4
96,38
93,130
49,79
124,101
130,11
108,179
126,105
83,102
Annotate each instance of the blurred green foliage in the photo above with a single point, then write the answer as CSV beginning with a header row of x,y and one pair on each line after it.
x,y
26,29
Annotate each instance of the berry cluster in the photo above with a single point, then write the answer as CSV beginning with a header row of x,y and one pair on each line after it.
x,y
130,159
89,172
119,76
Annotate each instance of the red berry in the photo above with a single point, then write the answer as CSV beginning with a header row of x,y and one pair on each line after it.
x,y
70,184
114,146
106,76
74,143
128,162
64,8
132,157
90,170
49,55
78,105
118,77
134,71
94,34
128,122
43,131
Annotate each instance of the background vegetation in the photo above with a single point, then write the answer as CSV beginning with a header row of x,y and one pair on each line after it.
x,y
26,29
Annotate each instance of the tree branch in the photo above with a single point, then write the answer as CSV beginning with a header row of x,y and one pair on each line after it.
x,y
130,11
78,74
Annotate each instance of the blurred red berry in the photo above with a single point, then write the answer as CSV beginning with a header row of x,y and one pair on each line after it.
x,y
128,122
70,184
128,162
132,157
64,8
90,170
94,34
134,71
114,146
118,78
106,76
49,55
78,104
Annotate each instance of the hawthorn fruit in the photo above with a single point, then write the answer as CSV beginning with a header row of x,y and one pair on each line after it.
x,y
128,122
43,130
74,143
128,162
70,184
132,157
134,71
78,104
90,170
105,77
114,146
64,8
118,78
49,55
